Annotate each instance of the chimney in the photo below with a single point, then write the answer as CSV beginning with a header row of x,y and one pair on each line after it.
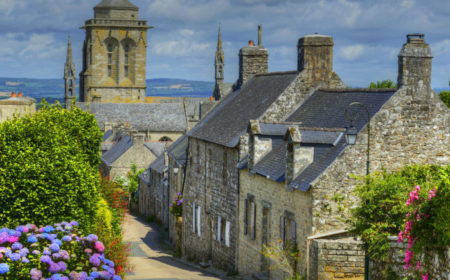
x,y
13,95
20,95
258,146
253,60
414,62
138,138
166,158
298,157
315,55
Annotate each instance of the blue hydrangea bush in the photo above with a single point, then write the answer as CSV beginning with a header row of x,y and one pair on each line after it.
x,y
55,252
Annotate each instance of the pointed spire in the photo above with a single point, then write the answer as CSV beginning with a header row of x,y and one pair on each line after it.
x,y
69,51
219,39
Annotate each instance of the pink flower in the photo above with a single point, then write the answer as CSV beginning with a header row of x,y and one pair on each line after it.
x,y
400,236
417,188
408,256
418,265
99,246
431,194
13,239
418,217
425,277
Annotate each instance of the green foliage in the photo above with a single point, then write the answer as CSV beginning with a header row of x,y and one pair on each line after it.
x,y
130,183
48,168
383,84
383,209
445,97
284,258
176,206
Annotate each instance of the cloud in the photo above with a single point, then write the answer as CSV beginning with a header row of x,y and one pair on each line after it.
x,y
352,52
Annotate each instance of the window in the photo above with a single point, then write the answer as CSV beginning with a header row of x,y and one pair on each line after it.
x,y
165,139
250,217
110,58
223,231
196,219
288,228
126,63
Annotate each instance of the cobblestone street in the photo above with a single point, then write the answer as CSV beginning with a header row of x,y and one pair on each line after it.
x,y
149,258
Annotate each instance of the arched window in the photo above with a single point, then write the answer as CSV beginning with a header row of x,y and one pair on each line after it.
x,y
112,57
126,63
165,139
128,47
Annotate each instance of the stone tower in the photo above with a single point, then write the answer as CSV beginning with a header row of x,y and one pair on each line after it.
x,y
69,77
114,54
253,60
414,62
220,66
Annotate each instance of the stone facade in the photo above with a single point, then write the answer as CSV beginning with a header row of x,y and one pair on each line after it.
x,y
212,187
272,202
114,55
176,178
336,259
16,106
438,267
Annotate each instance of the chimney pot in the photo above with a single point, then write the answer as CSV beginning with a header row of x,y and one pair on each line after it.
x,y
13,95
20,94
250,43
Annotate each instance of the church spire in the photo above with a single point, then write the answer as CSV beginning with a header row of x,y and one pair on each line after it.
x,y
69,77
219,65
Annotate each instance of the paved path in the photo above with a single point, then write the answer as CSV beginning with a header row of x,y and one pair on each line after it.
x,y
148,257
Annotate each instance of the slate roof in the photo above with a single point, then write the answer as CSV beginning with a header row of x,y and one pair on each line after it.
x,y
143,116
229,119
157,148
324,109
107,135
116,4
145,177
158,164
178,150
117,150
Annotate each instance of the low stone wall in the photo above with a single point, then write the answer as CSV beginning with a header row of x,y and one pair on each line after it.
x,y
437,268
336,259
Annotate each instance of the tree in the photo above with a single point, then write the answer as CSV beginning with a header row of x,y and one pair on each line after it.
x,y
383,84
445,97
48,168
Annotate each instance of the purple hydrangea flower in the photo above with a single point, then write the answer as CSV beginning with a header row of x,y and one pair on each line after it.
x,y
36,274
67,238
62,266
46,259
54,267
48,229
54,247
74,223
94,260
57,241
116,277
36,252
14,257
25,260
32,239
17,246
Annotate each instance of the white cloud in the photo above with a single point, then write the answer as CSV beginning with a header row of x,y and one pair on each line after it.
x,y
352,52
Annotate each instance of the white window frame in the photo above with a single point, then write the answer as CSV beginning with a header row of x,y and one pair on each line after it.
x,y
227,234
219,225
199,219
193,217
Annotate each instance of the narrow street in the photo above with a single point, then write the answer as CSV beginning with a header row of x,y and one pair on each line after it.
x,y
148,257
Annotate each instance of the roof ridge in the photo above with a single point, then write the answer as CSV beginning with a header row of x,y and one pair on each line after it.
x,y
277,73
358,89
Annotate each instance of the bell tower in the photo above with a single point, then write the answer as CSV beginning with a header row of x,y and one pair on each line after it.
x,y
219,63
114,54
69,77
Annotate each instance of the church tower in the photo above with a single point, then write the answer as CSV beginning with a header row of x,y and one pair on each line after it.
x,y
114,54
219,63
69,77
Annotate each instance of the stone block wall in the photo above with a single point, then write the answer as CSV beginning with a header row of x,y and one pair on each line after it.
x,y
412,127
336,259
437,267
212,183
253,60
175,186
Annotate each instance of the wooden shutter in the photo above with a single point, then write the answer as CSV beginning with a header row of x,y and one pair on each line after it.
x,y
227,234
199,220
219,225
253,225
246,218
194,223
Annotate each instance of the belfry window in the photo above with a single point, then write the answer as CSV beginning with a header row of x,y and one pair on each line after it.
x,y
110,58
126,66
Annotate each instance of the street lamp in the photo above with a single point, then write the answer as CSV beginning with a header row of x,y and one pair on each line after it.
x,y
350,136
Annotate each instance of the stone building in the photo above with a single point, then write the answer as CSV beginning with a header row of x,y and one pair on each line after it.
x,y
218,143
16,105
300,187
114,54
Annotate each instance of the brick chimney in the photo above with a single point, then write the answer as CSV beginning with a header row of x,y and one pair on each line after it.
x,y
258,145
315,55
298,157
253,60
414,62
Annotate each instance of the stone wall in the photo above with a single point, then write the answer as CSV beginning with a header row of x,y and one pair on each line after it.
x,y
278,201
437,267
336,259
20,107
412,127
138,154
212,183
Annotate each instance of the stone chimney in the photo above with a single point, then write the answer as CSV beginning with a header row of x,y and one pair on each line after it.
x,y
298,157
258,146
138,138
315,55
253,60
414,62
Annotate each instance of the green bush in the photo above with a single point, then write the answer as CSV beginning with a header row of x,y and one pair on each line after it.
x,y
48,168
445,97
382,210
383,84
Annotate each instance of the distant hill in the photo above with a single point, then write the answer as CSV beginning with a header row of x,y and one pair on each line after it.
x,y
53,89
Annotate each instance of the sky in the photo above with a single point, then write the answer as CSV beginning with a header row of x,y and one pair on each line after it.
x,y
368,35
